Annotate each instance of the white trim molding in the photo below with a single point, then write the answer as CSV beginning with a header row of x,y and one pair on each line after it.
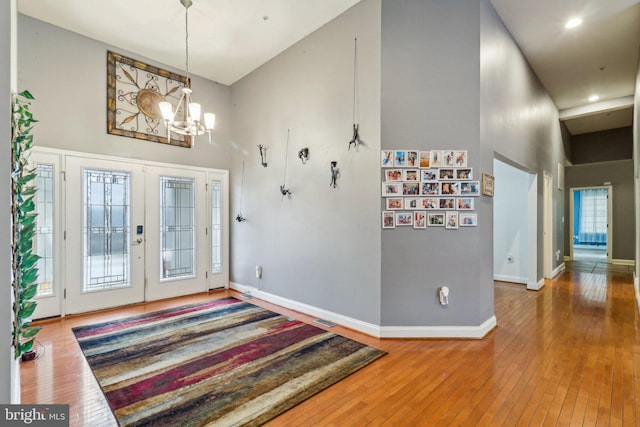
x,y
559,269
510,279
535,286
623,262
475,332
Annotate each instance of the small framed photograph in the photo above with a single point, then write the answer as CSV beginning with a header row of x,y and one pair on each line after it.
x,y
419,219
394,203
390,189
448,158
412,203
388,219
430,203
400,159
435,219
446,173
468,219
429,175
404,218
393,175
450,188
412,159
469,188
386,158
464,203
464,173
451,220
435,158
410,188
411,175
430,188
424,157
487,184
448,203
460,158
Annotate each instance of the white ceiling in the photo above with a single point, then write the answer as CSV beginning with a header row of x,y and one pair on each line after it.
x,y
230,38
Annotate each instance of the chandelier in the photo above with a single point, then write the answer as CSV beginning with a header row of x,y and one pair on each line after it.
x,y
190,125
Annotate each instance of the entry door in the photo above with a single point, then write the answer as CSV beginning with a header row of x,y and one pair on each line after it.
x,y
104,251
176,222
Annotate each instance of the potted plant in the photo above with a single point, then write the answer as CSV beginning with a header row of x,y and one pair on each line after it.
x,y
23,221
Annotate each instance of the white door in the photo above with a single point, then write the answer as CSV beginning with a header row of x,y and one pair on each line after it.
x,y
176,222
104,251
48,242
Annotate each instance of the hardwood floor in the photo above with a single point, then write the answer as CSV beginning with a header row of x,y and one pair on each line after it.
x,y
566,355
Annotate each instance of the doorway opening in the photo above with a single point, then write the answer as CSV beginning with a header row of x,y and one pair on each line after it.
x,y
591,231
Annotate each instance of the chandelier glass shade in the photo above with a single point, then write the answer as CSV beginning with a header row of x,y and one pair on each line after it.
x,y
185,120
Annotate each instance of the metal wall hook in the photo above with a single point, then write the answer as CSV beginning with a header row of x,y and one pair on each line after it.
x,y
263,155
335,172
303,155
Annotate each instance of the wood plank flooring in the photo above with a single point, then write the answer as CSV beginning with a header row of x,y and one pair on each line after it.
x,y
568,355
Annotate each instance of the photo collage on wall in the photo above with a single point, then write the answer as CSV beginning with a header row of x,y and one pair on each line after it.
x,y
423,189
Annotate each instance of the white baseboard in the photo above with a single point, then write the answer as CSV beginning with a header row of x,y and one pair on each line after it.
x,y
566,258
369,328
476,332
349,322
559,269
510,279
623,262
536,286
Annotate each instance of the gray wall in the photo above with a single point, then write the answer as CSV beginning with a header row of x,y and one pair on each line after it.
x,y
431,100
636,175
519,121
321,246
604,146
7,11
66,73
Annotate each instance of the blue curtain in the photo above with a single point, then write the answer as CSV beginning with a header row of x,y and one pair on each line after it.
x,y
592,220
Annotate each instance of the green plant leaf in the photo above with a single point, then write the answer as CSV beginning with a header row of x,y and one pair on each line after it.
x,y
27,309
30,291
30,331
26,346
26,94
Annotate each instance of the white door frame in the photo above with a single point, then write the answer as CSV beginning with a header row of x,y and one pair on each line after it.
x,y
609,214
547,226
532,229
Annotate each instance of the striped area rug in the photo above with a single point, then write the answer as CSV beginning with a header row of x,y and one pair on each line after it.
x,y
225,362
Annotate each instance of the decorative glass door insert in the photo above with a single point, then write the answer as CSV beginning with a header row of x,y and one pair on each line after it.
x,y
177,228
107,229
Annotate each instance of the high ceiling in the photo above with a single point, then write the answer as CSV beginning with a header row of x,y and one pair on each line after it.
x,y
230,38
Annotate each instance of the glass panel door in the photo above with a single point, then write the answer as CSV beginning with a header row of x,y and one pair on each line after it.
x,y
176,242
101,212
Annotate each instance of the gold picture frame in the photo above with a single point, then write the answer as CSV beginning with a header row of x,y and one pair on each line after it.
x,y
488,184
134,90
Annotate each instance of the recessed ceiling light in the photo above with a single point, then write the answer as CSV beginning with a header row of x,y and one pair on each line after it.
x,y
572,23
593,98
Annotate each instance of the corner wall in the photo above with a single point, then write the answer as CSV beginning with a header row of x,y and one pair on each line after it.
x,y
431,101
8,373
321,246
519,121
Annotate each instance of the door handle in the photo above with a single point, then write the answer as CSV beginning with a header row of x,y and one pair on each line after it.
x,y
137,241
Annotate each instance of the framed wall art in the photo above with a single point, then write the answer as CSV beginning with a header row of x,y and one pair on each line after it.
x,y
468,219
487,184
134,90
419,219
404,218
388,219
451,220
